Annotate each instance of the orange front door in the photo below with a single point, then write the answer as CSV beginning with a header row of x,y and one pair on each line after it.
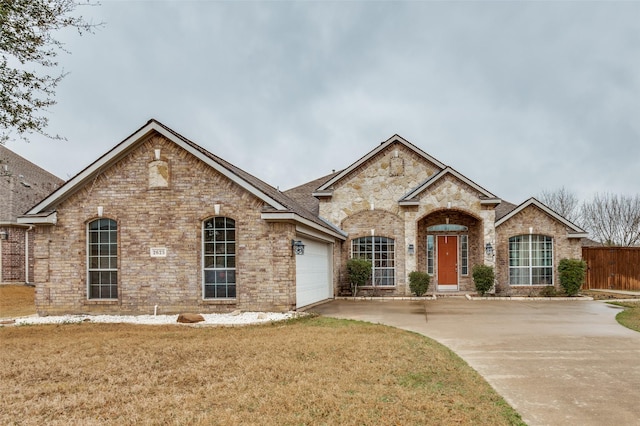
x,y
447,260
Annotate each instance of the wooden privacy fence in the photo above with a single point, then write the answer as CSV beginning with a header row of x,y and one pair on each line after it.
x,y
612,268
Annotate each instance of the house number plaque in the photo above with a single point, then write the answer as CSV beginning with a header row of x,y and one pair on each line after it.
x,y
158,252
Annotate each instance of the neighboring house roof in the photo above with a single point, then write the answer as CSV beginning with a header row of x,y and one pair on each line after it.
x,y
588,242
410,197
22,184
574,231
326,187
278,206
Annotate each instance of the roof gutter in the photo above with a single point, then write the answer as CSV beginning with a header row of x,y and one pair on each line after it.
x,y
293,217
46,218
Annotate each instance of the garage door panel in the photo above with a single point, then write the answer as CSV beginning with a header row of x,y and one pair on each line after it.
x,y
313,273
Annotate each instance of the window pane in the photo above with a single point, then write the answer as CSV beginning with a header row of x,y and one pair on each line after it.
x,y
531,260
102,254
381,252
464,255
219,261
430,254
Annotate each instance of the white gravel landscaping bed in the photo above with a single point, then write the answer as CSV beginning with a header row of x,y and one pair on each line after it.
x,y
209,319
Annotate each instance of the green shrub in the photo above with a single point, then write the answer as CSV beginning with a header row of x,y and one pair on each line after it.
x,y
358,271
419,282
483,277
572,273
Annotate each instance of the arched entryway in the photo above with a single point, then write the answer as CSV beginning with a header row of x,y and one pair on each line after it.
x,y
450,242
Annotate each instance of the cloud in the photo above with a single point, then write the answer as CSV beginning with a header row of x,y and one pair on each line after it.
x,y
518,97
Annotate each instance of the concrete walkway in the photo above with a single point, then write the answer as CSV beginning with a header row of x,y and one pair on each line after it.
x,y
555,362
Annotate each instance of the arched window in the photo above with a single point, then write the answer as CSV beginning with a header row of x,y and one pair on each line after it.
x,y
530,260
102,259
381,252
219,258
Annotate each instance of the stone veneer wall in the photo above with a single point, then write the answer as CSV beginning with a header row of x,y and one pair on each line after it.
x,y
475,238
541,224
379,183
148,216
387,225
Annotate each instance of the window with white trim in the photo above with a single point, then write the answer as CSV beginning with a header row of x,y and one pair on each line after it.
x,y
464,254
430,254
380,251
531,260
102,259
219,258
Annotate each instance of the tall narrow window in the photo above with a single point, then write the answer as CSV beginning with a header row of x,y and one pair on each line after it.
x,y
380,251
531,260
102,254
464,254
430,254
219,258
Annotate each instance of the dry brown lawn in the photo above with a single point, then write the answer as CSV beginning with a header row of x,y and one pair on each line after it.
x,y
604,295
310,371
16,301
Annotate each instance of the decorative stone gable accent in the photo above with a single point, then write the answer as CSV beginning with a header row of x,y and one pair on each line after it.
x,y
158,172
397,165
382,181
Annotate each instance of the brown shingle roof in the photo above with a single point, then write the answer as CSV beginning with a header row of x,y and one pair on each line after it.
x,y
302,193
503,209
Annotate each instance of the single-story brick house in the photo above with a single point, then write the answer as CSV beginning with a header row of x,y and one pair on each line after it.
x,y
22,185
159,221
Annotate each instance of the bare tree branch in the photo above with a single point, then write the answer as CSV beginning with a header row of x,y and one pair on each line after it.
x,y
563,202
28,52
613,220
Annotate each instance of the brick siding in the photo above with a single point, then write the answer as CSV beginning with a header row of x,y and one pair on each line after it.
x,y
168,217
541,224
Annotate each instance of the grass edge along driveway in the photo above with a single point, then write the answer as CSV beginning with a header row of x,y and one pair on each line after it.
x,y
630,317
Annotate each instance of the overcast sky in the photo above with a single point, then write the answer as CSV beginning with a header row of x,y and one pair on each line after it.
x,y
519,97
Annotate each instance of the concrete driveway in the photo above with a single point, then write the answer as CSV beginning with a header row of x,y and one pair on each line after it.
x,y
555,362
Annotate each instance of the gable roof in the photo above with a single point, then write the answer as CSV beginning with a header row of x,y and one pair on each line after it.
x,y
410,197
574,230
325,189
22,184
275,201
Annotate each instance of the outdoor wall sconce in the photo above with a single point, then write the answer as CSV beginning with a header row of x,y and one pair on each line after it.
x,y
216,209
488,248
4,235
298,247
100,211
411,249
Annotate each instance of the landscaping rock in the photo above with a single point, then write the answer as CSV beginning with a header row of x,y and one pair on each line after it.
x,y
235,313
190,318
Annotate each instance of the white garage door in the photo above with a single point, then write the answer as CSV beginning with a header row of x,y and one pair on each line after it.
x,y
313,273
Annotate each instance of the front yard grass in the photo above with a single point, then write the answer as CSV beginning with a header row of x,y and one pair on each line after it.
x,y
630,317
16,301
312,370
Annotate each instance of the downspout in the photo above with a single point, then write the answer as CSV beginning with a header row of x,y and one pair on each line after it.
x,y
26,255
1,243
